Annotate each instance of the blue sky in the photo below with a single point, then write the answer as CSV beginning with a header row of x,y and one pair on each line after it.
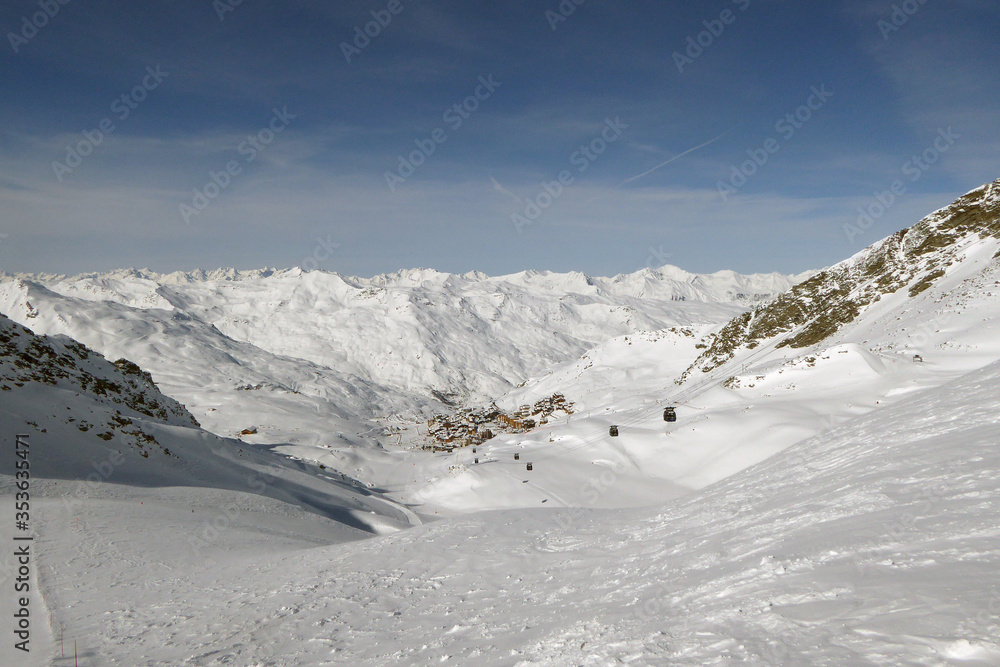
x,y
245,137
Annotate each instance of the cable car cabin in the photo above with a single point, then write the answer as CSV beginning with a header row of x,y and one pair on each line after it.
x,y
613,431
669,414
517,457
529,467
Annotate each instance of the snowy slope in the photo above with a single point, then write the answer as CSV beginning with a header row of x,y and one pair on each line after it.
x,y
102,435
876,543
952,243
87,416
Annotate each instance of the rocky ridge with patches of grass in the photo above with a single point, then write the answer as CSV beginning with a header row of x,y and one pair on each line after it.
x,y
62,362
818,308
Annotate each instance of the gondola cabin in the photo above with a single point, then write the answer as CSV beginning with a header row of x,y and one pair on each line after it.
x,y
517,457
613,431
669,414
529,467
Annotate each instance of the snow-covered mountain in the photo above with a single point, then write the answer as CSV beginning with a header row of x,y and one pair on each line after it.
x,y
418,331
303,361
248,349
29,359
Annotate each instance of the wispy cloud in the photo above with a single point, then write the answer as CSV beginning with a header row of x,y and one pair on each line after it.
x,y
325,174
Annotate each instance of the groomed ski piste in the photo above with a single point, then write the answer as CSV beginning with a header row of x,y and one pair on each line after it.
x,y
830,502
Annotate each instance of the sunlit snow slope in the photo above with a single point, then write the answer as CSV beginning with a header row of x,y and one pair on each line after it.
x,y
875,543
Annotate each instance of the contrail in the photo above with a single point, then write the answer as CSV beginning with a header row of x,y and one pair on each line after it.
x,y
497,186
676,157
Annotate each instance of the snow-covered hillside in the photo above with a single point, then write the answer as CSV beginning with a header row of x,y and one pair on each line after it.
x,y
101,435
876,543
954,243
86,416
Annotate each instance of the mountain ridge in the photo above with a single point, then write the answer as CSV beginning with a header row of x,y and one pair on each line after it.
x,y
820,306
665,272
